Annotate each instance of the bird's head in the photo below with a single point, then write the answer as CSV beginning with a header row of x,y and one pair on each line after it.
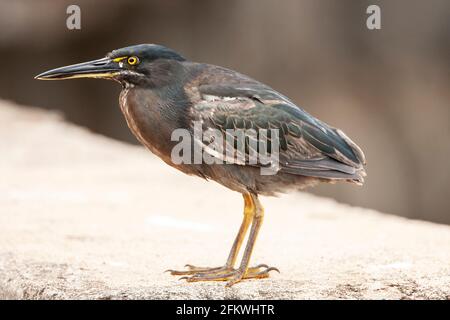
x,y
129,65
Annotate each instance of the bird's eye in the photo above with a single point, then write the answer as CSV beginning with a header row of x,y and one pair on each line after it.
x,y
133,61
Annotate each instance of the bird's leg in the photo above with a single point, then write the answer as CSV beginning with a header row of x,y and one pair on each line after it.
x,y
254,213
249,212
243,270
248,217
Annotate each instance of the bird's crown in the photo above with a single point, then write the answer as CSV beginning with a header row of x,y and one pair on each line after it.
x,y
148,52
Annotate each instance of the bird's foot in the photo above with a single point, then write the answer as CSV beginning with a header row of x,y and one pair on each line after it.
x,y
191,270
224,273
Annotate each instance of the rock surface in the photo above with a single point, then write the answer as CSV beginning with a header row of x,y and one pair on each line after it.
x,y
83,216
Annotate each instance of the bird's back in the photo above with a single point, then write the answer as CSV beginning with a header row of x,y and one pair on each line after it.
x,y
223,99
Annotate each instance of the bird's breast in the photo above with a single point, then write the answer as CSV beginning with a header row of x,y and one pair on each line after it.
x,y
146,115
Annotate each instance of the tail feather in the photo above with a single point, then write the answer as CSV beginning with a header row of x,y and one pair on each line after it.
x,y
325,168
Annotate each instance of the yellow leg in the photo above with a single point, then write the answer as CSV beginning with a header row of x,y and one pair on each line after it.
x,y
253,214
248,218
258,217
249,210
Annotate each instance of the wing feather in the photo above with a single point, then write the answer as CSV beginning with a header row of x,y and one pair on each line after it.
x,y
308,146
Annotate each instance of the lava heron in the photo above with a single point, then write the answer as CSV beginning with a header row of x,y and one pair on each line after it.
x,y
163,92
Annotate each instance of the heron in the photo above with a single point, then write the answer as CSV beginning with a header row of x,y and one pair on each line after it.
x,y
162,91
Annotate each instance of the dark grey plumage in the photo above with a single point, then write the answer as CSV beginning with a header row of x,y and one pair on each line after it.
x,y
311,151
176,92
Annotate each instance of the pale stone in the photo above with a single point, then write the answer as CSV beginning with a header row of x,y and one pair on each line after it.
x,y
84,216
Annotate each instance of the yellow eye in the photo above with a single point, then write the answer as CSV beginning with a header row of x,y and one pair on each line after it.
x,y
133,60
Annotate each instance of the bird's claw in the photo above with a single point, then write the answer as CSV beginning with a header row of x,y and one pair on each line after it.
x,y
195,270
225,273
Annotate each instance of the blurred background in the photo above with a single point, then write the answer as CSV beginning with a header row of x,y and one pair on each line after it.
x,y
388,89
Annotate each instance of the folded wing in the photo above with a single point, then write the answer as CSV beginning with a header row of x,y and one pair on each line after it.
x,y
308,146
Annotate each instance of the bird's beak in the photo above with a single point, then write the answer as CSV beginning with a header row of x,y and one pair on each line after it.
x,y
105,68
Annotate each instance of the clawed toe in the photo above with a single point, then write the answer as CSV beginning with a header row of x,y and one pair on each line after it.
x,y
192,270
224,273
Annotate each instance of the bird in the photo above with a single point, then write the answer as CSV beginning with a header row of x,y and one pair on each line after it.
x,y
162,92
